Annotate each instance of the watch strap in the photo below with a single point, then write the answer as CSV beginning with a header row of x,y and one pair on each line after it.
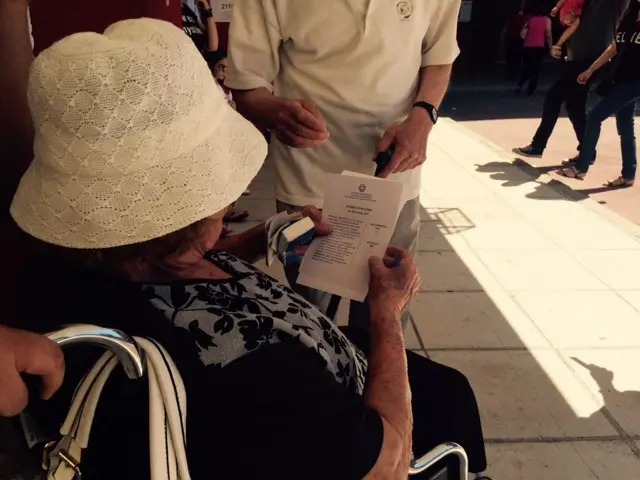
x,y
431,110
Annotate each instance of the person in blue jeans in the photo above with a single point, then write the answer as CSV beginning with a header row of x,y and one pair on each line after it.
x,y
621,101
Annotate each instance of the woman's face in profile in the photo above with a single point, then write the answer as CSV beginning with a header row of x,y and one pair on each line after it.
x,y
213,230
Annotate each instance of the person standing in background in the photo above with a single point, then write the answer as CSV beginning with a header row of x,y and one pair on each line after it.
x,y
21,351
218,66
513,44
337,81
620,101
598,25
536,34
199,23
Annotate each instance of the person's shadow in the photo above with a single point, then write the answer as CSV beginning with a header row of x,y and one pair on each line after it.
x,y
629,400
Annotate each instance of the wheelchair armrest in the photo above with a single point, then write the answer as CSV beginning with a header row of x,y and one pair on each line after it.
x,y
121,344
434,456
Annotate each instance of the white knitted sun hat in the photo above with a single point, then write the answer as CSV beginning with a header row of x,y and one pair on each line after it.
x,y
133,139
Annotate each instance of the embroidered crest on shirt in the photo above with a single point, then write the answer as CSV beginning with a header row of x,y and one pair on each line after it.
x,y
405,9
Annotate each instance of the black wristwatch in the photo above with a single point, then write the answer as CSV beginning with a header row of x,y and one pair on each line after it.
x,y
431,110
208,13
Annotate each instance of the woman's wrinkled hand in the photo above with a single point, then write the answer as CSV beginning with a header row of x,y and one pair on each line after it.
x,y
30,353
322,229
394,281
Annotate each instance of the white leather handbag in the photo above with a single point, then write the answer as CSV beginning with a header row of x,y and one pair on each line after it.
x,y
167,404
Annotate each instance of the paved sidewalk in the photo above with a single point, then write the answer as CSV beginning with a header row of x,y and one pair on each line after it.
x,y
510,121
536,298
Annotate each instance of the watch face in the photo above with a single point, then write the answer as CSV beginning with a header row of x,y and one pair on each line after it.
x,y
434,114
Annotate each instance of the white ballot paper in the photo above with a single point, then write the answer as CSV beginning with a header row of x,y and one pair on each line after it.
x,y
362,211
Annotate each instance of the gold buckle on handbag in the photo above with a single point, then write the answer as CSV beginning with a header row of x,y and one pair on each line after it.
x,y
56,451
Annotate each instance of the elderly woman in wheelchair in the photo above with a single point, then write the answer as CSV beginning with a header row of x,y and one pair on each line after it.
x,y
137,156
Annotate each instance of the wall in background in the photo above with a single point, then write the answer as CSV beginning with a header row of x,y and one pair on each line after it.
x,y
54,20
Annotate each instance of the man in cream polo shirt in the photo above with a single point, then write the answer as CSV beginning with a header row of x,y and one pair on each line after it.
x,y
337,81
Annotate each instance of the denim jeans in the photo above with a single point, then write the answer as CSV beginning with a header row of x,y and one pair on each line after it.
x,y
404,236
574,96
621,101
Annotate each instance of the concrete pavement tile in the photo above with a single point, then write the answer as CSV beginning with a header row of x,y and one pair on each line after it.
x,y
428,212
411,341
469,213
455,187
506,235
531,190
619,269
543,212
442,178
583,319
528,395
632,297
259,209
243,226
594,233
563,461
434,236
473,320
521,270
457,270
612,376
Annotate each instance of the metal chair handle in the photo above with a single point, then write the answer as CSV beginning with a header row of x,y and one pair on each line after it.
x,y
437,454
121,344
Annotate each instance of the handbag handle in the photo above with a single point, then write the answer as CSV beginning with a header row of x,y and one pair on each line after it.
x,y
118,342
140,357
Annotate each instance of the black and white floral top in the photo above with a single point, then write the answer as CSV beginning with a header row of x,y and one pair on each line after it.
x,y
232,318
274,389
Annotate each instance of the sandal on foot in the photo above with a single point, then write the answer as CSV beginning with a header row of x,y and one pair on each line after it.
x,y
233,216
573,161
620,182
571,172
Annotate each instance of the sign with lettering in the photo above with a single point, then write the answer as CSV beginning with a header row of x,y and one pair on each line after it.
x,y
222,10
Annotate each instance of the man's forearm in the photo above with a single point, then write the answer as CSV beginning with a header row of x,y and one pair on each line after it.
x,y
387,387
257,106
434,82
249,246
432,86
607,55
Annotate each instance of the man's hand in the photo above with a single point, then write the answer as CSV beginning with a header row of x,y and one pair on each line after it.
x,y
30,353
554,11
298,123
410,138
205,4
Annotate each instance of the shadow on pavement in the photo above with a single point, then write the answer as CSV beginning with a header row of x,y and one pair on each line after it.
x,y
501,171
521,385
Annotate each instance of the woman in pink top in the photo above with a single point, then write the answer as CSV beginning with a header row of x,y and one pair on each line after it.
x,y
536,33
